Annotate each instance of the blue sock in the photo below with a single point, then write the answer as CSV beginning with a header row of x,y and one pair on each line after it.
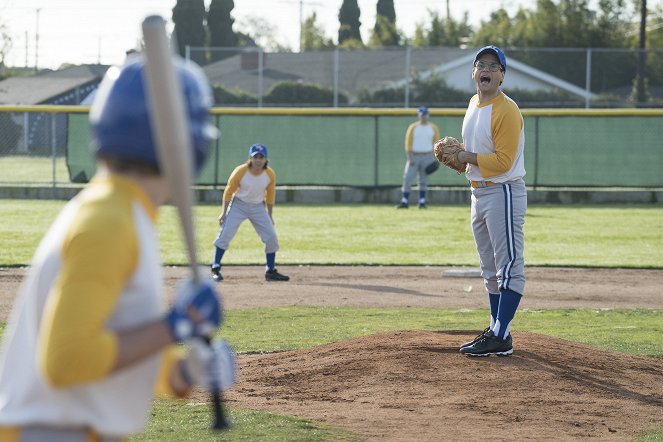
x,y
218,254
509,301
422,196
271,260
494,300
406,197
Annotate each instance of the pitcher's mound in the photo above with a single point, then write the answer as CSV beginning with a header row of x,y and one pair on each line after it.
x,y
414,385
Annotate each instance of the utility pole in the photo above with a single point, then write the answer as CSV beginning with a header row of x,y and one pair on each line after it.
x,y
37,40
301,24
448,14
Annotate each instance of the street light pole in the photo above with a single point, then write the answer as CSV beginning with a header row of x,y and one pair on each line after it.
x,y
37,40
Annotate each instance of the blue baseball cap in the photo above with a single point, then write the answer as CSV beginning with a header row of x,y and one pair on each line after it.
x,y
492,50
258,149
423,110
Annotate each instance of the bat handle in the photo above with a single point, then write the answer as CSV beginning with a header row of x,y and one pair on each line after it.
x,y
220,421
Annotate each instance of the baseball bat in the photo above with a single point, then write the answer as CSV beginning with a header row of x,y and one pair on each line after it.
x,y
169,125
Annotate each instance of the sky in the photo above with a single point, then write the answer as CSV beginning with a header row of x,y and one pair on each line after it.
x,y
100,31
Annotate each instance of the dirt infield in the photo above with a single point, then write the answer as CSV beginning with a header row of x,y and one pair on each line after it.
x,y
414,385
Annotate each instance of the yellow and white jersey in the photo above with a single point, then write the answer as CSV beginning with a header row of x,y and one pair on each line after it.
x,y
495,131
250,188
419,138
97,270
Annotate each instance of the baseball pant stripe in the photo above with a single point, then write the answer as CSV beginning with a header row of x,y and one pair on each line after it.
x,y
509,235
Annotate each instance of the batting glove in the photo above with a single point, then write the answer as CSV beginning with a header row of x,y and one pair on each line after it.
x,y
211,366
196,313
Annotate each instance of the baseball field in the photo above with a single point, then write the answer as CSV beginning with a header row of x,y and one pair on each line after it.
x,y
362,343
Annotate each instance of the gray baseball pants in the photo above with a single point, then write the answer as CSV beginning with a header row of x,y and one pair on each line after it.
x,y
420,163
257,214
498,217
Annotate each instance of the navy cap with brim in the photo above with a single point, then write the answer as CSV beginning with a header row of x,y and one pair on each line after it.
x,y
492,50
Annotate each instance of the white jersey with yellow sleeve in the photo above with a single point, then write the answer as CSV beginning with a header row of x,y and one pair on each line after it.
x,y
419,138
97,270
495,131
251,188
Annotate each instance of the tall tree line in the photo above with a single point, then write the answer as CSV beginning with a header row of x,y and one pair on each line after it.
x,y
551,23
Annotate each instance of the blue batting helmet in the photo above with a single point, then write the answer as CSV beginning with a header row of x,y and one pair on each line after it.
x,y
120,117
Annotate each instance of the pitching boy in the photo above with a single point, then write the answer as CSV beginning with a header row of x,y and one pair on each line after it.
x,y
494,140
90,339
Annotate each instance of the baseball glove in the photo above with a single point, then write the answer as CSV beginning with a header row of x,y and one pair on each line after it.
x,y
446,151
432,167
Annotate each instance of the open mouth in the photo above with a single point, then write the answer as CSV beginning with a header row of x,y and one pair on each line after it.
x,y
484,79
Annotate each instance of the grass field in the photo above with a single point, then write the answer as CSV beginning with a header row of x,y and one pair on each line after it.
x,y
593,236
33,169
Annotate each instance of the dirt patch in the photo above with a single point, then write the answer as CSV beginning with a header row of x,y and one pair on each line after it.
x,y
414,385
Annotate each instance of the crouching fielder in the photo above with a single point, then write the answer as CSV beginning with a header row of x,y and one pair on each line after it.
x,y
91,338
250,194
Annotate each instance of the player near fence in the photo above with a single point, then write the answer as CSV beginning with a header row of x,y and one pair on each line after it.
x,y
492,157
250,194
91,337
419,139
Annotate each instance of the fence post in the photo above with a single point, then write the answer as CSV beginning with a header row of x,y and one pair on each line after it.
x,y
536,152
588,78
260,76
376,164
216,152
53,149
408,61
336,74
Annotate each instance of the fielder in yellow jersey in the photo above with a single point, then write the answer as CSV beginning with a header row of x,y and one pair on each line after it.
x,y
91,339
494,141
419,139
250,194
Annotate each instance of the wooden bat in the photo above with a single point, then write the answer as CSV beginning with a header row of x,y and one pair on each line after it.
x,y
169,125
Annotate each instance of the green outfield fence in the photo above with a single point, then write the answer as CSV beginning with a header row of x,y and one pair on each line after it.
x,y
354,147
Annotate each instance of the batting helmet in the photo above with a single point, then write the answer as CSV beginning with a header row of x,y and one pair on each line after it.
x,y
120,117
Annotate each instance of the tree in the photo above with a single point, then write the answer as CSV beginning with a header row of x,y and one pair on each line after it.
x,y
568,24
5,43
263,33
313,35
220,27
348,16
189,17
384,31
442,32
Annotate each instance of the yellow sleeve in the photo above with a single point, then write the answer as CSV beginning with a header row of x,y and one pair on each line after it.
x,y
270,191
409,136
99,254
234,180
506,126
436,132
169,359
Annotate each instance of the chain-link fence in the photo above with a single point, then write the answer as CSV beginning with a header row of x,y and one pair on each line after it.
x,y
437,77
51,145
33,147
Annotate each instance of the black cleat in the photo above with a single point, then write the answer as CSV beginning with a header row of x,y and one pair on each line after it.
x,y
423,206
489,344
274,275
479,336
216,274
402,206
